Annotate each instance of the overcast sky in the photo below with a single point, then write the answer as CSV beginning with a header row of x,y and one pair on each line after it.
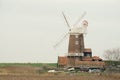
x,y
30,28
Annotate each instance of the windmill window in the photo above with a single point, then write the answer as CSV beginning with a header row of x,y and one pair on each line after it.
x,y
76,42
76,36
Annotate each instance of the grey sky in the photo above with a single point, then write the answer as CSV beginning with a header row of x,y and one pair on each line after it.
x,y
30,28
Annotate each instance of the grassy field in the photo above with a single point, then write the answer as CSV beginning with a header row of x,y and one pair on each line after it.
x,y
38,71
54,78
29,64
59,77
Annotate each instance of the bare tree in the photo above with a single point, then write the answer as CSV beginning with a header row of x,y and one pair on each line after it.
x,y
112,54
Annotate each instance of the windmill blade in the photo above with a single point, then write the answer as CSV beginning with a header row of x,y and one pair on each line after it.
x,y
80,18
66,20
61,40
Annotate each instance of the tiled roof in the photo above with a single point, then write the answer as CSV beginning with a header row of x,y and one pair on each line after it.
x,y
91,58
87,59
87,50
96,58
90,63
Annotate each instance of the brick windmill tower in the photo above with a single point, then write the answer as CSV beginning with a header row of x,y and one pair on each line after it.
x,y
76,41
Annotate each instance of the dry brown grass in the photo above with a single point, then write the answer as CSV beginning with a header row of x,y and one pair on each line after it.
x,y
34,73
58,77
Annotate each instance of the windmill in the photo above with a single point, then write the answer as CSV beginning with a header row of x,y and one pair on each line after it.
x,y
78,56
76,33
76,39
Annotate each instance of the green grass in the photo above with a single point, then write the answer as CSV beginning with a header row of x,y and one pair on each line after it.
x,y
29,64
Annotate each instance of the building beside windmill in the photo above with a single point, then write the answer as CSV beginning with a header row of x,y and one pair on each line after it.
x,y
78,55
